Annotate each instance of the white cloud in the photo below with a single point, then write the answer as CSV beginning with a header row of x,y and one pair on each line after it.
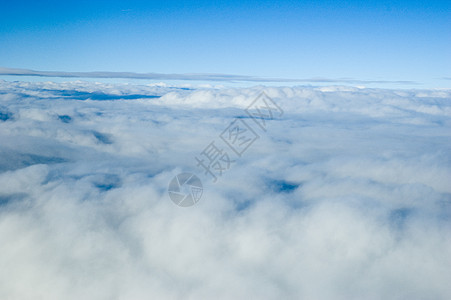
x,y
346,196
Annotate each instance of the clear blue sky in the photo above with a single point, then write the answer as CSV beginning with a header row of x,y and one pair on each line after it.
x,y
369,40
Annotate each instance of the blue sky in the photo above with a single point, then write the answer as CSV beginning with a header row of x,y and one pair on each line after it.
x,y
371,40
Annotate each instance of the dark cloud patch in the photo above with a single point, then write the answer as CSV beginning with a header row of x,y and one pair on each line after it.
x,y
65,118
103,138
5,115
15,160
107,182
399,217
282,186
98,96
11,198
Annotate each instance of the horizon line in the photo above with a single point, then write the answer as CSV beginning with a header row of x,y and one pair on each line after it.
x,y
187,76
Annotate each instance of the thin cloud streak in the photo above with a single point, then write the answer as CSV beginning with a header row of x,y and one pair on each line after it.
x,y
189,76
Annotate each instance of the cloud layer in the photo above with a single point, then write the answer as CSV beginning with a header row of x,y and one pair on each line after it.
x,y
197,77
345,196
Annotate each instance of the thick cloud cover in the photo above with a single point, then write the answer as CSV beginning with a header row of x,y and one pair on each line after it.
x,y
347,195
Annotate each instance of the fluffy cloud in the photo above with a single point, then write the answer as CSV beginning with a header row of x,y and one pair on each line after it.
x,y
346,196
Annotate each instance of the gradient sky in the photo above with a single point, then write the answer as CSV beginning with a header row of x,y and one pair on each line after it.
x,y
368,40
